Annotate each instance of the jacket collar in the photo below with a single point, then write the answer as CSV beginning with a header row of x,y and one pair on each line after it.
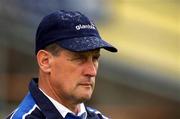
x,y
47,108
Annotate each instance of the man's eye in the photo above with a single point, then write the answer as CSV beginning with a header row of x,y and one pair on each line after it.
x,y
96,57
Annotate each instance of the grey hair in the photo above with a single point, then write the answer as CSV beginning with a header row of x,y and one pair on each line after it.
x,y
54,49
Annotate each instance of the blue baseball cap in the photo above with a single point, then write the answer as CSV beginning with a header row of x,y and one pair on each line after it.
x,y
70,30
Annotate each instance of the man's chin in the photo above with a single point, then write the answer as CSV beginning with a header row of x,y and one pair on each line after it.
x,y
84,98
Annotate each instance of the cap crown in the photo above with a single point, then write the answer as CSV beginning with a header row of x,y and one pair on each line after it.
x,y
63,25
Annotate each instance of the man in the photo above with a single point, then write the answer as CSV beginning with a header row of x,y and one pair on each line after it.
x,y
67,50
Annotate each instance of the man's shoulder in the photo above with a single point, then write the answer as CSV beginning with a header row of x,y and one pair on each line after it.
x,y
26,108
23,113
93,111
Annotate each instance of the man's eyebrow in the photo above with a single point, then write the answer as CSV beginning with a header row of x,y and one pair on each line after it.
x,y
97,52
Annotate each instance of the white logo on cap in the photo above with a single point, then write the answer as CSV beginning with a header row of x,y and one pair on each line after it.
x,y
83,26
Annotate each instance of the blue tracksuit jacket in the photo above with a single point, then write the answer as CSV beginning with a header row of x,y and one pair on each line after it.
x,y
36,105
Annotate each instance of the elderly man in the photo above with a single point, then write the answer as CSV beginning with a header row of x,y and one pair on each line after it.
x,y
67,50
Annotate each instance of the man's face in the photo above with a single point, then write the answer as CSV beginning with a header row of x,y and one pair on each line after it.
x,y
73,74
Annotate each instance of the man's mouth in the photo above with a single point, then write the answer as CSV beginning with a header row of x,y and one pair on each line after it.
x,y
86,84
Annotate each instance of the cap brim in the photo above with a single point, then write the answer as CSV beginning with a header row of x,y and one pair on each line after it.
x,y
85,44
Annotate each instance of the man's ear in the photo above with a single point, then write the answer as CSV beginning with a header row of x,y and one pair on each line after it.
x,y
44,60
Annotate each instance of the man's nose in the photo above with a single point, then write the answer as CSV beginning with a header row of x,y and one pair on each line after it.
x,y
90,68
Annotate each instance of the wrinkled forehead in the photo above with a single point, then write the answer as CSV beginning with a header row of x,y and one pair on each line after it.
x,y
85,53
95,51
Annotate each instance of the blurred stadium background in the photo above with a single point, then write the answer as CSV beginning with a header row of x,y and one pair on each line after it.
x,y
142,81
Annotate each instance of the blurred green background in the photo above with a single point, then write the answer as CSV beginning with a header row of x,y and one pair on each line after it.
x,y
141,81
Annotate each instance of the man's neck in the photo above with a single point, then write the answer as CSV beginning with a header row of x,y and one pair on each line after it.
x,y
65,109
74,107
